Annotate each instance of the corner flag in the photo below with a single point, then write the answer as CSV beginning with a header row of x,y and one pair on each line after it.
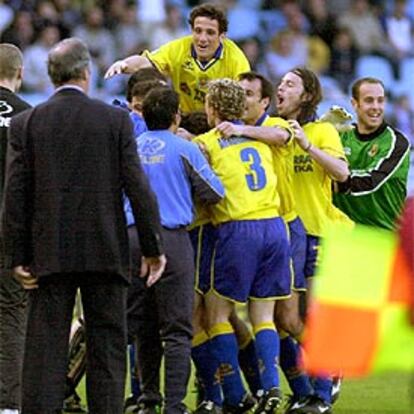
x,y
358,320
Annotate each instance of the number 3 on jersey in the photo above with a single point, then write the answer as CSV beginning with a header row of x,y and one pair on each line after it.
x,y
256,180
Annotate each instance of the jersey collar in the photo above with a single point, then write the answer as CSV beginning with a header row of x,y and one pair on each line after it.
x,y
372,135
261,119
211,62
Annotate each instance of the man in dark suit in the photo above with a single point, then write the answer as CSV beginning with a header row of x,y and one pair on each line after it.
x,y
13,297
69,161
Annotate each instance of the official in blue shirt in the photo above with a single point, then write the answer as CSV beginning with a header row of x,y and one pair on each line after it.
x,y
178,172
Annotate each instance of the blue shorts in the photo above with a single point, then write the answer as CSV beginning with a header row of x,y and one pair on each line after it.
x,y
312,255
298,244
252,260
203,239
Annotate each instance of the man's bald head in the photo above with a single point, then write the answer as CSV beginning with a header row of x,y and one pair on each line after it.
x,y
68,61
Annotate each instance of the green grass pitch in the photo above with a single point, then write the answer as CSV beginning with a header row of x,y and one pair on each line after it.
x,y
391,393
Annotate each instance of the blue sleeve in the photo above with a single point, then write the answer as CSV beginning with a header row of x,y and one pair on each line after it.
x,y
205,184
139,124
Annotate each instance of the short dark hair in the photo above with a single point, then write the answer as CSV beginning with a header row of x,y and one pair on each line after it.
x,y
11,60
142,88
356,86
67,61
195,122
160,108
312,87
267,89
212,12
143,74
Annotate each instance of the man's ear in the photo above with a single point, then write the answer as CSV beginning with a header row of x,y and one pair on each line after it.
x,y
354,103
305,97
87,73
177,119
19,74
266,102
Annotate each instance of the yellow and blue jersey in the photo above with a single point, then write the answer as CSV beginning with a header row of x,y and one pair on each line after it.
x,y
189,76
246,169
312,184
283,164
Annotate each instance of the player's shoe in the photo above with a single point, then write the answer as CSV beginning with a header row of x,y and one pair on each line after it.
x,y
314,405
269,401
147,408
72,404
295,403
208,407
336,388
247,404
130,404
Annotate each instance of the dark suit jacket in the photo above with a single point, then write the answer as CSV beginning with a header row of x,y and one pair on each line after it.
x,y
69,161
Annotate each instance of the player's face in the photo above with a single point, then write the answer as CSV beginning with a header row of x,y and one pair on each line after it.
x,y
369,107
206,37
289,95
255,104
136,105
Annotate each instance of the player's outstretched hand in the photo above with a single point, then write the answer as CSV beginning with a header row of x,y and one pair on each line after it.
x,y
153,268
116,68
25,278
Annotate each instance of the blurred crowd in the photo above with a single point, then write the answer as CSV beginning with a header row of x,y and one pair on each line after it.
x,y
340,40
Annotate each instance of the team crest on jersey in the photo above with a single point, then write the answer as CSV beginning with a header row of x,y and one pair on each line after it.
x,y
188,65
373,151
203,81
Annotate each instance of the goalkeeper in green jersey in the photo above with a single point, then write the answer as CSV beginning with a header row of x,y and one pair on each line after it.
x,y
378,157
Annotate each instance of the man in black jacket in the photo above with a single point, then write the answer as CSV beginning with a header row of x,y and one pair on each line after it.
x,y
69,162
13,297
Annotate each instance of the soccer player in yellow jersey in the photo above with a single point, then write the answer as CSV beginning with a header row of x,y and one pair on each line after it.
x,y
251,260
192,61
319,160
276,132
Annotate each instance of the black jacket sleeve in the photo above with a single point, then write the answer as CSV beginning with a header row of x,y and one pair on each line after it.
x,y
17,205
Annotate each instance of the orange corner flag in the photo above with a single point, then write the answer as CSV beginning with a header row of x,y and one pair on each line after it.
x,y
358,320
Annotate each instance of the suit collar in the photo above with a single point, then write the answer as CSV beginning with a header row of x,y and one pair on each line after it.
x,y
68,88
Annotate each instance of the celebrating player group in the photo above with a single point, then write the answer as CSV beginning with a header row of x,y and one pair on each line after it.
x,y
202,198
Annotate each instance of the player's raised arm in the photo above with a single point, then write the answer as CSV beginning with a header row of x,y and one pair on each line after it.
x,y
128,65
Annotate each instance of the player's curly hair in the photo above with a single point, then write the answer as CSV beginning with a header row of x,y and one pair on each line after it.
x,y
227,98
211,11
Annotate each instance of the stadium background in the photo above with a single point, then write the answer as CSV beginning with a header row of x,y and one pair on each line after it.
x,y
339,39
